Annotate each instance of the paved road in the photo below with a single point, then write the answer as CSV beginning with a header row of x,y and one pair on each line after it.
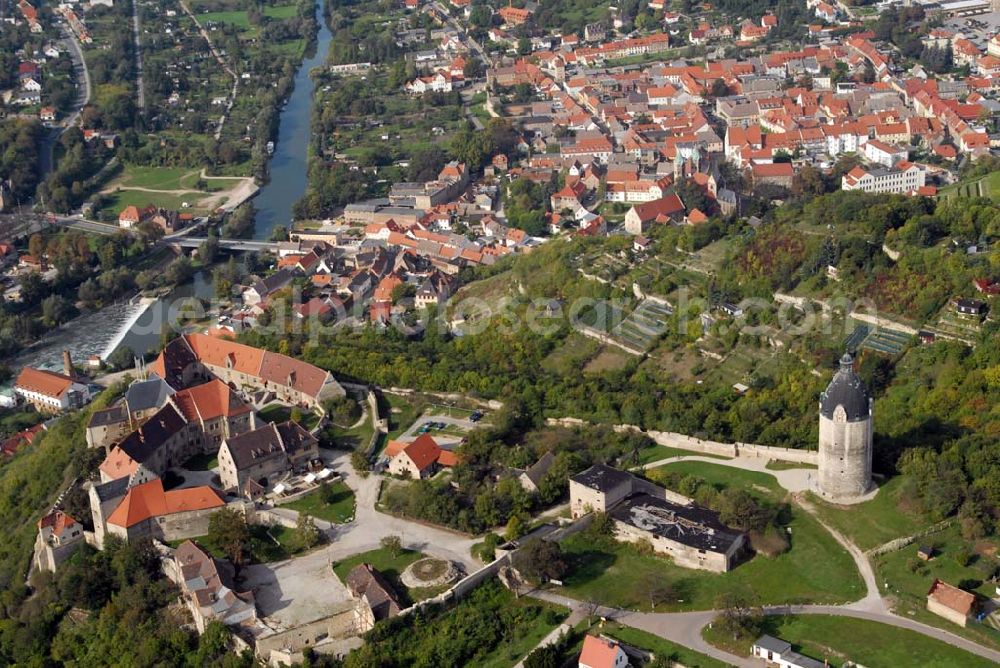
x,y
685,628
370,526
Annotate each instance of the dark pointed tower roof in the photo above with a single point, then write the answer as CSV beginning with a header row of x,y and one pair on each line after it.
x,y
847,390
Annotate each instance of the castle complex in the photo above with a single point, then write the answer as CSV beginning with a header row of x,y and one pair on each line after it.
x,y
845,436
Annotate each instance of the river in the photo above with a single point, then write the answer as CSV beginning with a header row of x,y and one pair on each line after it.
x,y
288,166
138,326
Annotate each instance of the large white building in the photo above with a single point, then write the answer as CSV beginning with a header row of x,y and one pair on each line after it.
x,y
49,391
905,177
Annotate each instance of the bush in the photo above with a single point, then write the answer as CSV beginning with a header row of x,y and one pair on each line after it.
x,y
963,557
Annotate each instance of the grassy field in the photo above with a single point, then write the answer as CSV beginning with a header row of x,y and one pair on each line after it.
x,y
875,522
401,411
816,569
337,511
571,354
661,648
159,178
263,549
909,578
840,639
781,465
118,200
609,359
658,452
391,567
986,186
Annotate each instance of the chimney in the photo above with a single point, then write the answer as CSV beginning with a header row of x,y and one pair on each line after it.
x,y
68,365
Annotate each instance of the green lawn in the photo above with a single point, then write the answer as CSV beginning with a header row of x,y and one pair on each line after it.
x,y
205,462
877,521
657,452
909,578
661,648
781,465
338,510
118,200
391,567
840,639
159,178
401,411
986,186
722,477
263,549
280,413
816,569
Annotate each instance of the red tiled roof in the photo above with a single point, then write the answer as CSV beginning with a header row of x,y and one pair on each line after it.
x,y
952,598
58,520
149,500
47,383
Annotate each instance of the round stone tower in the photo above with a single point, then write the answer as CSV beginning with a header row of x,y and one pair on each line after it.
x,y
845,436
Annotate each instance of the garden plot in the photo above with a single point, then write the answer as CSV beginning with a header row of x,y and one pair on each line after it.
x,y
644,325
888,341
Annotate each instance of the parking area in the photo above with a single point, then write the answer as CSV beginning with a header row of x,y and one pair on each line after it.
x,y
444,427
977,29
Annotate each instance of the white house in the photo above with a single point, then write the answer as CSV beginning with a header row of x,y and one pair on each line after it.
x,y
602,653
777,652
903,178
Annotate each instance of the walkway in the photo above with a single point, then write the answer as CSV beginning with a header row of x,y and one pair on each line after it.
x,y
684,628
370,526
792,480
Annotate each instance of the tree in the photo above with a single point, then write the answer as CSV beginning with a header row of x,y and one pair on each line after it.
x,y
179,271
306,533
393,544
208,249
738,616
56,310
540,561
657,590
228,529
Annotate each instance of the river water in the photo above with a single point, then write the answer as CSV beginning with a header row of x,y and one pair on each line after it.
x,y
137,325
288,166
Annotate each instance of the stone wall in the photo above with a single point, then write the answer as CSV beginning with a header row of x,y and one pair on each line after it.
x,y
285,647
698,445
899,543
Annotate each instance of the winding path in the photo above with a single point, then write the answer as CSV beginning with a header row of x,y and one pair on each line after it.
x,y
684,628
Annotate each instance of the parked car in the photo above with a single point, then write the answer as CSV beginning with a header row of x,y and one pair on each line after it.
x,y
476,416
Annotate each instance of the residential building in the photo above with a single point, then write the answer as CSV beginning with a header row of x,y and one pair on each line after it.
x,y
50,392
376,599
602,652
903,178
193,358
778,652
148,511
421,458
264,454
954,604
665,210
207,588
59,535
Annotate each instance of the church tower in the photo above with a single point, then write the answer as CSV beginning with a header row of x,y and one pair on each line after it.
x,y
845,436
